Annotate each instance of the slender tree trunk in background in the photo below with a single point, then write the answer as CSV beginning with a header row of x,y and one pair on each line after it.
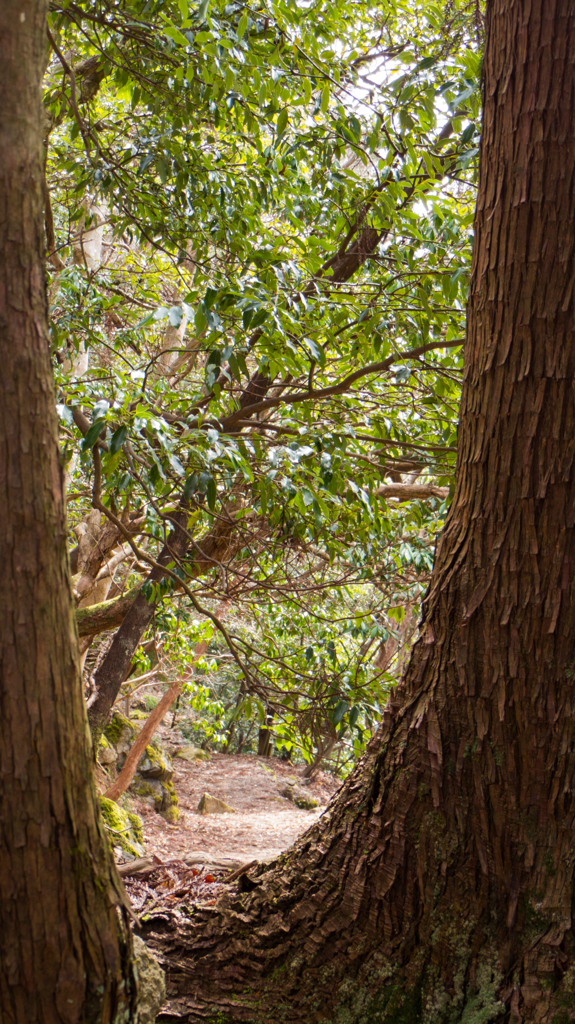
x,y
139,745
265,735
155,717
440,887
65,950
114,668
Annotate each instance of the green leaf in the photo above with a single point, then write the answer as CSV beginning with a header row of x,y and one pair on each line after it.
x,y
211,493
259,318
146,320
176,465
316,351
162,170
282,122
325,98
92,434
190,486
118,438
339,711
243,24
176,315
203,10
427,62
65,414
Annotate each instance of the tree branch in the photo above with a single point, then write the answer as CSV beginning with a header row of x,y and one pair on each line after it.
x,y
335,389
406,491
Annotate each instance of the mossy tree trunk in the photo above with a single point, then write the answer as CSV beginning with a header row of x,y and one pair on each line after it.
x,y
64,945
440,886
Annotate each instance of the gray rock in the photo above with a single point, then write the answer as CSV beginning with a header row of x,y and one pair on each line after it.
x,y
107,754
191,753
211,805
151,983
155,763
299,797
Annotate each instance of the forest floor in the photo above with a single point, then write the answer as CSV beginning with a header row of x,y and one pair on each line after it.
x,y
264,822
190,862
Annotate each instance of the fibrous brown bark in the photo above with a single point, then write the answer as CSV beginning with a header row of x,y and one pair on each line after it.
x,y
439,888
64,945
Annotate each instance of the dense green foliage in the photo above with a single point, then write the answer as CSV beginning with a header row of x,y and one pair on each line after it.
x,y
259,231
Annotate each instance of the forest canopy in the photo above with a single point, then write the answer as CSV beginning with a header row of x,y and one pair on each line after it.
x,y
259,225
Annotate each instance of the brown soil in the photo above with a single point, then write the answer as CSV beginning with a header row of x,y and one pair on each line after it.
x,y
264,823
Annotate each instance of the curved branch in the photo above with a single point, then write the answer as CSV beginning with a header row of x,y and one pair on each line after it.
x,y
97,618
335,389
406,491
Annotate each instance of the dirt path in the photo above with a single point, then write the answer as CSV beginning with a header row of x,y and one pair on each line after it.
x,y
264,822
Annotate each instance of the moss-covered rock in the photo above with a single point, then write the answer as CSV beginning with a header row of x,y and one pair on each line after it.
x,y
299,797
124,829
159,794
156,764
191,753
107,754
148,790
137,829
170,803
120,732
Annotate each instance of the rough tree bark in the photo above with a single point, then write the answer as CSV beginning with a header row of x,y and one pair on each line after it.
x,y
65,950
439,888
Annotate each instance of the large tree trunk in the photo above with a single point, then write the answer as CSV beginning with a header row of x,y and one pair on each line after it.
x,y
64,944
440,886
